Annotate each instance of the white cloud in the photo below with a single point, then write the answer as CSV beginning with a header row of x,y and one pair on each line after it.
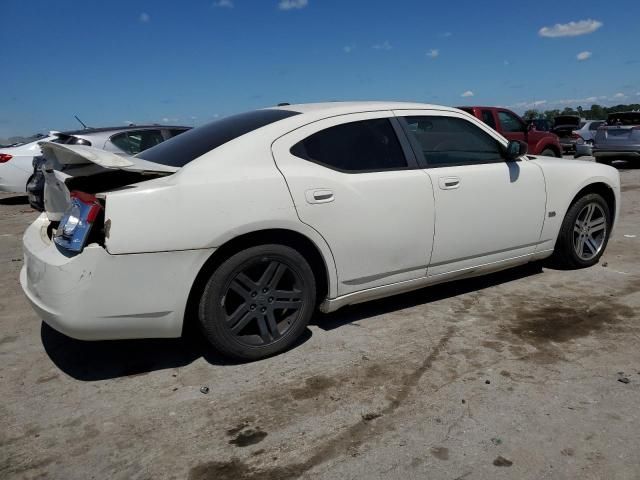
x,y
145,17
446,35
571,29
223,4
468,93
348,48
537,103
433,53
383,46
292,4
583,56
619,95
506,63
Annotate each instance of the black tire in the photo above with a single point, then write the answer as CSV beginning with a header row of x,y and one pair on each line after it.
x,y
258,302
547,152
567,244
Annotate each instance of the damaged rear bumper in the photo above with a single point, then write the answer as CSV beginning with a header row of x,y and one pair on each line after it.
x,y
98,296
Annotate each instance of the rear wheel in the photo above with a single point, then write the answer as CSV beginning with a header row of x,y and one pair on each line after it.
x,y
584,233
547,152
258,302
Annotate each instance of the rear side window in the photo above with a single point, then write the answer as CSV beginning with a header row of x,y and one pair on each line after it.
x,y
451,141
363,146
182,149
487,117
595,125
137,141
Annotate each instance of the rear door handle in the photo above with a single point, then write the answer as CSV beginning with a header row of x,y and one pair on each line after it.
x,y
319,196
449,183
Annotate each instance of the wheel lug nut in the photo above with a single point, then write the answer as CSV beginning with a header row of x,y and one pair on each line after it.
x,y
265,290
253,294
263,309
270,299
252,307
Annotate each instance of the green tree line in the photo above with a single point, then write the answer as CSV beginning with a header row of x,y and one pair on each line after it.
x,y
596,112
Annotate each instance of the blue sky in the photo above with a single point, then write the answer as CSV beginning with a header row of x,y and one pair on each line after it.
x,y
189,62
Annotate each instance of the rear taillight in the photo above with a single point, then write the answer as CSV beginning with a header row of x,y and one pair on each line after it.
x,y
575,136
75,225
5,157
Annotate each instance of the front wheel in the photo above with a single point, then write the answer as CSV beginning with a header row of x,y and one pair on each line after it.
x,y
258,302
584,233
547,152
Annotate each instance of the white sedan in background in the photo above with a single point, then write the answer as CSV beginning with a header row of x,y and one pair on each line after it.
x,y
16,164
248,224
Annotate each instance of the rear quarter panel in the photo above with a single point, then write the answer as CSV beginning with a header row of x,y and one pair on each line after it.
x,y
564,179
233,190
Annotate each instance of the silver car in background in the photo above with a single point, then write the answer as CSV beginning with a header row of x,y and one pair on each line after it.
x,y
586,135
619,138
127,141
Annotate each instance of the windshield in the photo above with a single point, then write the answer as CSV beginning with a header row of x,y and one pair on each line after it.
x,y
188,146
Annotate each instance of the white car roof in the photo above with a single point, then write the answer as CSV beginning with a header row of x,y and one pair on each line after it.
x,y
340,108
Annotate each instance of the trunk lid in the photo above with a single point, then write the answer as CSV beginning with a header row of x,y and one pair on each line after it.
x,y
88,169
564,125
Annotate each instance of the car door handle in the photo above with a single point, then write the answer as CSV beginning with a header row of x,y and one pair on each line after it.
x,y
319,196
449,183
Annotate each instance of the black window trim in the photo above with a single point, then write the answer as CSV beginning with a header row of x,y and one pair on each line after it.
x,y
409,155
422,161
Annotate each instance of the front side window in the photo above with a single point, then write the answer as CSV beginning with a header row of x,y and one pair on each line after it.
x,y
510,123
451,141
595,125
367,145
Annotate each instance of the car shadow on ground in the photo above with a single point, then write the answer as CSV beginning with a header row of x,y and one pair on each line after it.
x,y
15,200
91,361
625,165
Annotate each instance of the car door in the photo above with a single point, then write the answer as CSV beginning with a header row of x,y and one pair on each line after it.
x,y
357,183
488,210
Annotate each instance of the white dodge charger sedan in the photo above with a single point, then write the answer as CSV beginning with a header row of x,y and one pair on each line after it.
x,y
248,224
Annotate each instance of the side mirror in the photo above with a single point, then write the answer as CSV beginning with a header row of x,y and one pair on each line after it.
x,y
516,149
531,126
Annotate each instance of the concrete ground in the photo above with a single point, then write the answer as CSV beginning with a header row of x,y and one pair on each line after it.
x,y
516,375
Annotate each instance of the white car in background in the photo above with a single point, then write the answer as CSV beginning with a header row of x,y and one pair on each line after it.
x,y
16,164
248,224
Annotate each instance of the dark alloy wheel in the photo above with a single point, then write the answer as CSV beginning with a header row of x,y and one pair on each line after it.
x,y
258,302
584,233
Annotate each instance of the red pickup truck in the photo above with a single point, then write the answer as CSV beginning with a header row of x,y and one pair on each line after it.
x,y
512,127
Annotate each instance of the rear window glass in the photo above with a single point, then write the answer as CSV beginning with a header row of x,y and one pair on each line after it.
x,y
182,149
625,119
